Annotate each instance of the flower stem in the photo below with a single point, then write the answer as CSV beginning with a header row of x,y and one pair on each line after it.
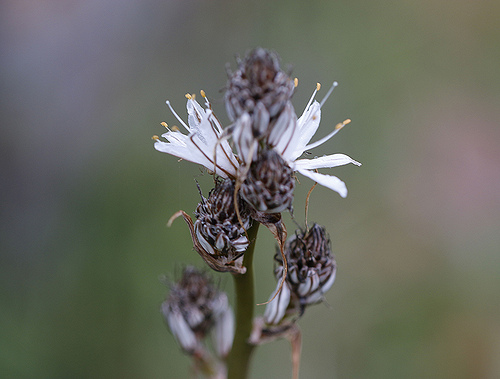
x,y
239,358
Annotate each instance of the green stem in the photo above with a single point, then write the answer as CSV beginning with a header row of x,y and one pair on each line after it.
x,y
239,358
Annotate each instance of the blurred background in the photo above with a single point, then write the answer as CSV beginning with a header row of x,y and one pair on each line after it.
x,y
85,198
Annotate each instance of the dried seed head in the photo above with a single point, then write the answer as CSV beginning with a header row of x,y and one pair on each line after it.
x,y
311,272
193,308
218,228
269,183
260,88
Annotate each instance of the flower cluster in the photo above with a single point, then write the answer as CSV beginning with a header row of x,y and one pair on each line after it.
x,y
254,161
268,139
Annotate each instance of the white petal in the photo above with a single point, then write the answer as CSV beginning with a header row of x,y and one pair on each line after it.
x,y
327,161
195,113
307,124
190,153
275,310
331,182
181,331
243,138
329,282
224,332
284,134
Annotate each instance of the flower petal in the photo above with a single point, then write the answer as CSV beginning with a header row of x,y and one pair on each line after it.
x,y
327,161
224,330
195,113
244,141
275,310
307,124
331,182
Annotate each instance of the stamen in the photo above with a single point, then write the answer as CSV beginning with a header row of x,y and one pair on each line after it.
x,y
177,116
296,82
175,128
155,138
335,84
207,103
342,124
188,96
318,86
164,124
324,139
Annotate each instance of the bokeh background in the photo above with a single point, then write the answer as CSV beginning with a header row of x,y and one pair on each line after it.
x,y
85,198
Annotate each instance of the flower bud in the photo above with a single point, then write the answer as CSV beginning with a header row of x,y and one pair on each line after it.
x,y
195,307
269,183
311,272
258,87
217,226
219,232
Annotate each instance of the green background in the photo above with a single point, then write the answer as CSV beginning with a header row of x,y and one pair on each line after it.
x,y
85,198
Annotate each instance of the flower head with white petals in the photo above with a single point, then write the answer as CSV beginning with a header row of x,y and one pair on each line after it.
x,y
295,141
203,143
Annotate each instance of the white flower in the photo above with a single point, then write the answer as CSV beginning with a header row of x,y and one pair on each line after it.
x,y
294,141
203,143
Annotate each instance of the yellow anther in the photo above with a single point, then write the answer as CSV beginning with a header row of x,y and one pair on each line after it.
x,y
188,96
164,124
318,86
296,82
202,93
342,124
155,138
175,128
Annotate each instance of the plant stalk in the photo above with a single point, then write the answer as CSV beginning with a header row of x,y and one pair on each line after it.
x,y
239,359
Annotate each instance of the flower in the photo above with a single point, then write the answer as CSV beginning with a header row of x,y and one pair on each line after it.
x,y
295,141
292,141
203,143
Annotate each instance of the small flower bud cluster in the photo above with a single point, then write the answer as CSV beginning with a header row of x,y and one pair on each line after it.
x,y
194,308
311,272
217,226
260,89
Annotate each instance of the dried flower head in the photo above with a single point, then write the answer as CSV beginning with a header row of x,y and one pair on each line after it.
x,y
194,308
311,272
